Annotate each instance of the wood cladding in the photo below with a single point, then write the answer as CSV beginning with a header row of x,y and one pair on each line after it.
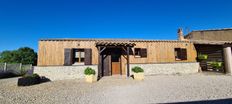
x,y
52,52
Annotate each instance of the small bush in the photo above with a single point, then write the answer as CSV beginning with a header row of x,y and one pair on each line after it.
x,y
89,71
202,56
33,75
137,69
216,65
28,80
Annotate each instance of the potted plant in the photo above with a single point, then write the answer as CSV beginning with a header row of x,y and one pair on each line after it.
x,y
90,75
202,56
216,65
138,73
28,80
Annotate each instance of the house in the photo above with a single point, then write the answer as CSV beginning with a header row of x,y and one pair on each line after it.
x,y
118,56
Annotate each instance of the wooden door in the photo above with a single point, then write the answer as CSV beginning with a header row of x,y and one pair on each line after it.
x,y
115,62
106,65
115,67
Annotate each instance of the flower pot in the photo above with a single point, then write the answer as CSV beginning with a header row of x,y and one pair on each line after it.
x,y
90,78
139,76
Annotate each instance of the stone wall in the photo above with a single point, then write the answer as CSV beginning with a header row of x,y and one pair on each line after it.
x,y
63,72
168,68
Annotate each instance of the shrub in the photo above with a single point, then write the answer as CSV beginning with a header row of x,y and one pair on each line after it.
x,y
216,65
89,71
202,56
137,69
33,76
28,80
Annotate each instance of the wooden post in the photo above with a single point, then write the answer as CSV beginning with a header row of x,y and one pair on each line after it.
x,y
99,63
79,56
128,62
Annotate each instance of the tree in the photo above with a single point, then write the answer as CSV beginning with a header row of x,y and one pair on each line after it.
x,y
24,55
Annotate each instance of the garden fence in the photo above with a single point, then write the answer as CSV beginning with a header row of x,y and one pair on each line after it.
x,y
15,68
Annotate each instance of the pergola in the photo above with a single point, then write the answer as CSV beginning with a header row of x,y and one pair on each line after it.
x,y
102,45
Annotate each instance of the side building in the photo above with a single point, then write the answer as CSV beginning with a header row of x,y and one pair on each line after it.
x,y
216,44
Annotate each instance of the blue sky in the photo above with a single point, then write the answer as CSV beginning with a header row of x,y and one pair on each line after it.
x,y
24,22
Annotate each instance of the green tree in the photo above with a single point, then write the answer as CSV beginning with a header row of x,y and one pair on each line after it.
x,y
24,55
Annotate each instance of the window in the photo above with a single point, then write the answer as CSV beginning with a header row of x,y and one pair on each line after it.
x,y
180,54
79,55
140,52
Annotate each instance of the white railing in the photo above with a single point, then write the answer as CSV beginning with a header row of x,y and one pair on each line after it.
x,y
15,68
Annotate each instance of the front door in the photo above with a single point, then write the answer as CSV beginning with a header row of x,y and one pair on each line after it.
x,y
115,61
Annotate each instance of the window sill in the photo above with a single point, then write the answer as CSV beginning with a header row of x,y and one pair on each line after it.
x,y
136,56
78,63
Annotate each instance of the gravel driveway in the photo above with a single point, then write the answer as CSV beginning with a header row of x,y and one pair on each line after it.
x,y
116,90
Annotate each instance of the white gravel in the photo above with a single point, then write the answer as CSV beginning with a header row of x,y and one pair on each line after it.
x,y
115,90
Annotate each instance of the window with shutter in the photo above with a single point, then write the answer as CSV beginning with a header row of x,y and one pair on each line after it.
x,y
137,52
140,52
79,55
180,54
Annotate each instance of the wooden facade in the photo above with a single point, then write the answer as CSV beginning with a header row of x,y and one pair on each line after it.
x,y
52,52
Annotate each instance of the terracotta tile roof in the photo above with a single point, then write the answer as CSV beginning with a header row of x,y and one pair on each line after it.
x,y
115,43
97,40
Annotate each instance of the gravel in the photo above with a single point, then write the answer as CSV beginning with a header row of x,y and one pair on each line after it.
x,y
117,90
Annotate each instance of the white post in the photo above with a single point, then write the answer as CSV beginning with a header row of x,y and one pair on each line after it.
x,y
31,67
228,59
20,66
5,67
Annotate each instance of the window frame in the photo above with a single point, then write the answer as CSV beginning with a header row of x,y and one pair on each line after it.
x,y
138,53
179,55
79,58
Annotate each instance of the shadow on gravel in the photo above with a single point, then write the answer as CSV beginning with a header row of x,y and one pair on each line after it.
x,y
7,75
217,101
44,79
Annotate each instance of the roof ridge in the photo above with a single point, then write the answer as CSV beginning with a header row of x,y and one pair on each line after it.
x,y
217,29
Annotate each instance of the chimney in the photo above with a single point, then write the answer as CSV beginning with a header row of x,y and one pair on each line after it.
x,y
180,34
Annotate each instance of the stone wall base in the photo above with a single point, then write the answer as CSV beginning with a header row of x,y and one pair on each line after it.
x,y
63,72
168,68
77,72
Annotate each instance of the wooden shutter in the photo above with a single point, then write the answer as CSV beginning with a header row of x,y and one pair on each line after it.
x,y
67,56
143,52
178,53
183,54
88,56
